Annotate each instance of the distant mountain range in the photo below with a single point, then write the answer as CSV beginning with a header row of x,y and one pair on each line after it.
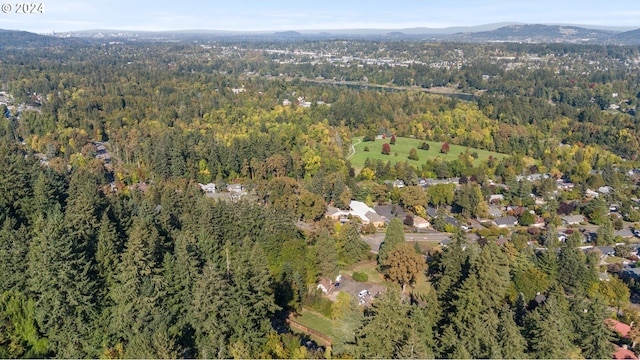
x,y
499,32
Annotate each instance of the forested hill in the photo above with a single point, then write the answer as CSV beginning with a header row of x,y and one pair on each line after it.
x,y
628,37
24,39
539,34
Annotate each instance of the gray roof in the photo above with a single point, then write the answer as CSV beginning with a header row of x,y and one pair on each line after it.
x,y
451,220
603,276
373,217
571,219
495,211
623,233
606,250
385,210
506,221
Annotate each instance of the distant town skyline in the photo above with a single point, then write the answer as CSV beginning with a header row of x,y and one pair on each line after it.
x,y
245,15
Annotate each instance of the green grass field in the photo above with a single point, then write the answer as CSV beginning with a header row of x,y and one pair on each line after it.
x,y
316,322
404,145
368,268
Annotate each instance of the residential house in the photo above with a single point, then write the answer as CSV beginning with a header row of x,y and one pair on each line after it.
x,y
450,220
507,221
429,181
630,273
606,250
624,233
286,102
538,222
445,242
431,212
592,194
375,219
139,186
566,186
208,188
236,188
324,285
390,211
623,353
357,209
572,219
496,199
605,189
619,327
603,276
420,223
495,211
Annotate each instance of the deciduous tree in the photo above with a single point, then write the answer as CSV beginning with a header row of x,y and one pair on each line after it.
x,y
403,265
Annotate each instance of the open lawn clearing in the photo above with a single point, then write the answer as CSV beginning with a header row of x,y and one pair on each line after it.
x,y
404,145
368,268
316,322
614,260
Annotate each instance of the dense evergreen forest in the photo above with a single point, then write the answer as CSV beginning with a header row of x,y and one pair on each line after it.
x,y
110,249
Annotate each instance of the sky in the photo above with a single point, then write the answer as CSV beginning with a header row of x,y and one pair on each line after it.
x,y
281,15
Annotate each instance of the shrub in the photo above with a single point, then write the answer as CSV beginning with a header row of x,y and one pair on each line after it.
x,y
368,229
366,148
445,148
360,276
316,301
408,220
424,146
413,154
393,140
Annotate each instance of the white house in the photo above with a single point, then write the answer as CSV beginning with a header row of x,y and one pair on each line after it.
x,y
357,209
209,188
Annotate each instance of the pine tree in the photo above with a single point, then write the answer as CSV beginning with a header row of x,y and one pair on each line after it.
x,y
351,247
327,254
138,288
44,195
475,329
548,263
60,281
451,269
572,271
181,269
510,340
14,246
548,330
108,250
252,297
492,270
596,336
211,312
384,329
393,237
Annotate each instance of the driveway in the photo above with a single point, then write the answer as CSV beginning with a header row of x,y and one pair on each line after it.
x,y
352,287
